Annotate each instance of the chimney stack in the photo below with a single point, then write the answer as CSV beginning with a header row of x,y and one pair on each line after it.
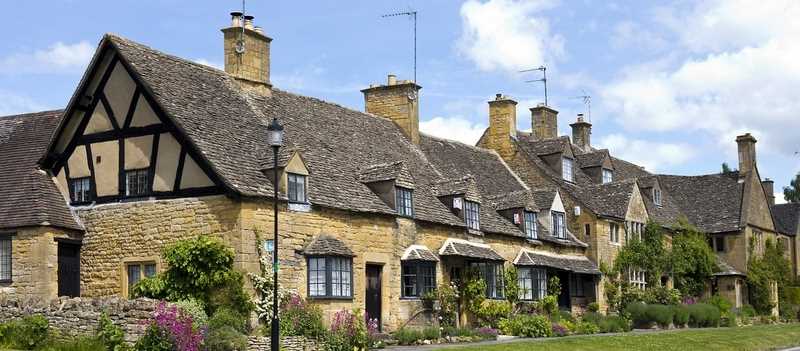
x,y
747,153
502,126
544,122
247,54
769,189
582,133
398,100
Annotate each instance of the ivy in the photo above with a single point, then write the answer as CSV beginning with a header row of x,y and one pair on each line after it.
x,y
765,270
648,254
693,261
512,289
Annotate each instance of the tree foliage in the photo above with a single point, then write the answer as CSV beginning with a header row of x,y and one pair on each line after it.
x,y
726,168
764,270
792,192
692,260
648,254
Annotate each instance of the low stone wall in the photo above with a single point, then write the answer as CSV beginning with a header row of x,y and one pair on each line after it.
x,y
79,316
288,343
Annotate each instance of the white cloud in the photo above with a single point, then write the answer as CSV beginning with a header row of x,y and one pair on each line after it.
x,y
454,128
748,87
653,156
507,35
210,63
11,103
57,58
629,34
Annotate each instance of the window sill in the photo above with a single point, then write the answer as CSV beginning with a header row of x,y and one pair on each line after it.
x,y
474,232
6,281
299,207
614,244
533,241
411,298
322,298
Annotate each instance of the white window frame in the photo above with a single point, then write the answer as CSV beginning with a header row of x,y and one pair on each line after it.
x,y
559,224
472,214
637,278
613,232
608,176
567,169
657,196
531,230
532,282
403,203
292,190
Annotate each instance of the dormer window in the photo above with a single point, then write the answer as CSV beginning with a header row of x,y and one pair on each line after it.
x,y
559,225
657,196
472,214
566,169
404,201
530,225
296,187
81,189
136,181
608,176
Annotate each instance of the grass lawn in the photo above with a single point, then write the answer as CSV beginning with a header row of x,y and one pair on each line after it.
x,y
764,337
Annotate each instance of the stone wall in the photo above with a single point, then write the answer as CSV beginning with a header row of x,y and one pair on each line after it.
x,y
80,316
288,343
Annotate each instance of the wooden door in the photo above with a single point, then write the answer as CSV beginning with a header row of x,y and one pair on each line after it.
x,y
69,270
373,293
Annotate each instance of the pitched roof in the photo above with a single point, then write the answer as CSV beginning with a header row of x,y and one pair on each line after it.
x,y
464,248
572,263
29,196
419,253
227,124
725,268
592,159
710,202
626,170
787,218
387,171
325,244
516,199
666,214
610,199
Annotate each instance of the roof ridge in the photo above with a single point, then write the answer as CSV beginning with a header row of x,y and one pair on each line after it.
x,y
476,148
45,113
114,36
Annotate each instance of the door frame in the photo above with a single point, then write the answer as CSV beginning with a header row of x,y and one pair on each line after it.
x,y
61,242
379,268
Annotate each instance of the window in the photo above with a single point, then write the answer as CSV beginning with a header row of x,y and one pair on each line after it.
x,y
637,279
5,259
614,232
559,228
419,277
81,189
657,196
608,176
576,285
530,225
139,271
405,203
136,181
492,274
719,244
634,231
472,214
587,229
330,277
566,169
297,187
532,283
758,238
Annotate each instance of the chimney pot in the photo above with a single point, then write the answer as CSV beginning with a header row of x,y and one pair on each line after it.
x,y
769,189
498,96
582,133
250,67
248,22
746,145
391,79
236,19
258,30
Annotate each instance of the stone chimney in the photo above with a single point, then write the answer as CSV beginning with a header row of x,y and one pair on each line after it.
x,y
747,153
247,54
502,126
398,100
769,189
582,133
544,122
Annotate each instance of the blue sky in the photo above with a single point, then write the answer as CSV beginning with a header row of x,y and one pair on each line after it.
x,y
672,82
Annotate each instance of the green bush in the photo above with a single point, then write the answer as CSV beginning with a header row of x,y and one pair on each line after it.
x,y
548,304
747,311
660,314
681,313
562,316
195,309
638,313
585,327
703,315
662,295
593,307
226,317
155,339
84,343
407,336
225,339
614,324
722,304
26,333
300,318
527,325
431,333
109,335
492,311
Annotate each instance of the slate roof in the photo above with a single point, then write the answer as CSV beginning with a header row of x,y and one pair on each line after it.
x,y
387,171
419,253
787,218
328,245
711,202
725,268
544,198
592,159
610,199
228,124
624,170
517,199
668,213
28,196
572,263
463,248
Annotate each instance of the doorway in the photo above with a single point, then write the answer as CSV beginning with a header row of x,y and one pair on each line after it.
x,y
373,294
69,269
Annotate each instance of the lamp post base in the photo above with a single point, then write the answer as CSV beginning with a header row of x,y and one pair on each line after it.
x,y
275,338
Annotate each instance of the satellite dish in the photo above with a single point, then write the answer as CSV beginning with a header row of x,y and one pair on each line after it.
x,y
240,47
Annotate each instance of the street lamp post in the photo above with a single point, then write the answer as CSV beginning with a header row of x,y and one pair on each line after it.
x,y
275,138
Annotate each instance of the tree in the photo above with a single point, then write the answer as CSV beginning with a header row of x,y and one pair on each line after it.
x,y
693,261
726,168
792,192
648,254
763,271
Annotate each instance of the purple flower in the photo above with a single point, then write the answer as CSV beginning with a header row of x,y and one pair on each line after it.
x,y
179,326
559,330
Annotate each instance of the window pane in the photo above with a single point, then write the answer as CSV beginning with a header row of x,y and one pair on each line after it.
x,y
608,176
136,182
472,214
530,225
150,270
296,187
316,277
404,201
134,275
5,258
566,169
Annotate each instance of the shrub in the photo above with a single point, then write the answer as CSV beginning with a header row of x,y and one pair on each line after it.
x,y
554,286
703,315
562,316
407,336
681,313
527,325
431,333
693,261
585,327
492,311
559,329
195,309
225,339
226,317
109,335
747,311
660,314
662,295
155,339
722,304
614,324
27,333
548,304
347,331
299,318
178,326
447,294
486,333
638,313
83,343
593,307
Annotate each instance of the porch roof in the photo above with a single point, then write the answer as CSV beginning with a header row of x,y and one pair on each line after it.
x,y
419,253
572,263
464,248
